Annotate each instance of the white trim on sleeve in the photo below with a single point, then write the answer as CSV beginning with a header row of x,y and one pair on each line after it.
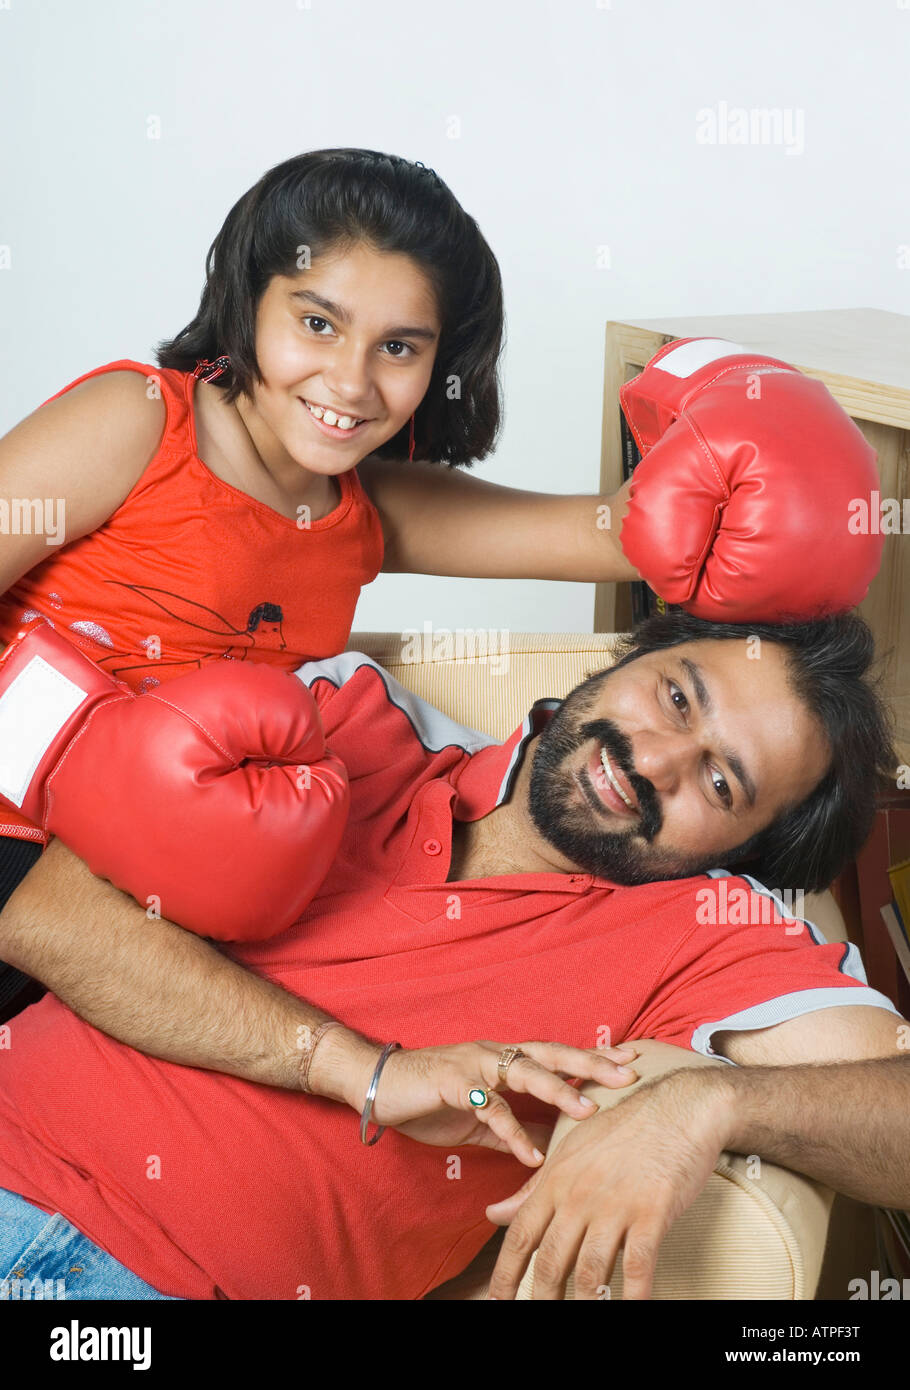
x,y
783,1008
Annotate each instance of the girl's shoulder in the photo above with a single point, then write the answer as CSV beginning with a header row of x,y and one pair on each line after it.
x,y
89,443
134,409
132,383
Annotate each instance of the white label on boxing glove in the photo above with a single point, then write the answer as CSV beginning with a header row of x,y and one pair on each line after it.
x,y
691,357
33,710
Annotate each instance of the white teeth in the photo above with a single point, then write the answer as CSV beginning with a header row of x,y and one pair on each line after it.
x,y
611,778
342,422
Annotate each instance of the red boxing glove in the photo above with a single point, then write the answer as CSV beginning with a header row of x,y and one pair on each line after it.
x,y
740,506
214,794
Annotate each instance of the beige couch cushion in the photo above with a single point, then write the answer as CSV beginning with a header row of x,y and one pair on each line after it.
x,y
492,694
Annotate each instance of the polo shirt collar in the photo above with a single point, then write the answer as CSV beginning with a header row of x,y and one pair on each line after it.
x,y
486,779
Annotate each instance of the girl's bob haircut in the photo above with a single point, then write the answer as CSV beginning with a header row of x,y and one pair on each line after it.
x,y
331,200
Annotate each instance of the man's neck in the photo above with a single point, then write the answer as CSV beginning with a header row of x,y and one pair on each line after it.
x,y
506,841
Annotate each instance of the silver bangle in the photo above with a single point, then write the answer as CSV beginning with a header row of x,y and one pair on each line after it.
x,y
371,1096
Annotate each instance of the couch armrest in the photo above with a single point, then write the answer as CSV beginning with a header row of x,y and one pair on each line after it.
x,y
755,1231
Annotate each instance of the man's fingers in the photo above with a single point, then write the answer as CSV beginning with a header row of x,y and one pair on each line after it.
x,y
555,1259
521,1240
608,1066
501,1213
595,1262
562,1249
639,1260
533,1078
498,1117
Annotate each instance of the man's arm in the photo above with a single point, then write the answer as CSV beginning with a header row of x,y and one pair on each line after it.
x,y
827,1095
845,1125
164,991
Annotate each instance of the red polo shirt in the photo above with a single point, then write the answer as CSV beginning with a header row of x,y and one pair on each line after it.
x,y
201,1183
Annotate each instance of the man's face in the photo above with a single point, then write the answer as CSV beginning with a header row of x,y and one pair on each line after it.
x,y
707,743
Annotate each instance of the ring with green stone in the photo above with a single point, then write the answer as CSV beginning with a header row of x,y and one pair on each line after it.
x,y
478,1097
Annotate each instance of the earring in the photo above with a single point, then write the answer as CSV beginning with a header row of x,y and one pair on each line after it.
x,y
411,441
208,371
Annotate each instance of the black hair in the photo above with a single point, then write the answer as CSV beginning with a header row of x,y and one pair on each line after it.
x,y
829,667
331,200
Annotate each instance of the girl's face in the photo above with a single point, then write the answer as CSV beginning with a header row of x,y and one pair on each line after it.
x,y
355,335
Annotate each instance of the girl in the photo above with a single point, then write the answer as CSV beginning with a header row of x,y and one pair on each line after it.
x,y
231,501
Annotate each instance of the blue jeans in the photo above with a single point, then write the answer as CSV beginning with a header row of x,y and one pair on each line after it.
x,y
45,1256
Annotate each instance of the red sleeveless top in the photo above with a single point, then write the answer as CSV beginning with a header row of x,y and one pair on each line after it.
x,y
189,569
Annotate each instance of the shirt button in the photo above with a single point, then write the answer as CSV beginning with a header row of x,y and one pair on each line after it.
x,y
578,878
432,847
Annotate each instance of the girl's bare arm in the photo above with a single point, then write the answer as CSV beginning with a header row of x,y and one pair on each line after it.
x,y
82,454
440,520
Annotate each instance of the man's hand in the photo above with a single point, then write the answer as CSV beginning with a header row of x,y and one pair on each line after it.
x,y
617,1182
425,1091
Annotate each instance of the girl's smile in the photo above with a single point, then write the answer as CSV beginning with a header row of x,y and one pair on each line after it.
x,y
324,418
346,350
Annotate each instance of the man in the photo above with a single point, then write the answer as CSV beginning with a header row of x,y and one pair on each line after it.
x,y
553,887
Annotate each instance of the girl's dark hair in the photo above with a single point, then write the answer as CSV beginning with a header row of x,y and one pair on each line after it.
x,y
828,665
330,200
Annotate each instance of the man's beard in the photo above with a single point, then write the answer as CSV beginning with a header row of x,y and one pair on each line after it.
x,y
626,855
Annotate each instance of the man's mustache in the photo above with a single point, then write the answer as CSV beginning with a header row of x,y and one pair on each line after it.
x,y
620,752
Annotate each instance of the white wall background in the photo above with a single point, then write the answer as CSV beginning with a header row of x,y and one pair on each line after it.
x,y
577,130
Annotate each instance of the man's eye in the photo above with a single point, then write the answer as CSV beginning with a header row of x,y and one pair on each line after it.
x,y
682,704
721,787
394,343
311,319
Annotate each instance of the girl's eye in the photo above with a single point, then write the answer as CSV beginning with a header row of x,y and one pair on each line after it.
x,y
318,326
